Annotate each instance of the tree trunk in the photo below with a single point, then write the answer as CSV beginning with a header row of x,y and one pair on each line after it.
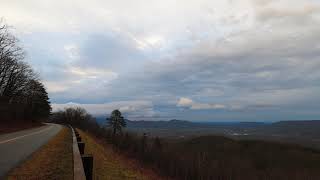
x,y
114,131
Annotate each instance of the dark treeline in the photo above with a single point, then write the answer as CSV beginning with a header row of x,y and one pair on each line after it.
x,y
77,117
206,157
22,96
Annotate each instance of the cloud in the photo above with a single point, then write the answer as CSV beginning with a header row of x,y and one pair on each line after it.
x,y
248,59
304,12
131,109
105,51
78,82
184,102
72,51
188,103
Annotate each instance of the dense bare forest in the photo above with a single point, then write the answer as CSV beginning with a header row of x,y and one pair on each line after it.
x,y
23,98
205,157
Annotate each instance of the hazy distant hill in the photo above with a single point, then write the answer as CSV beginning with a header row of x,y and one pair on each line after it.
x,y
310,129
309,123
174,123
302,132
161,124
140,123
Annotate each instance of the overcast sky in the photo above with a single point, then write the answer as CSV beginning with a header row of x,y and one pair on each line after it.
x,y
201,60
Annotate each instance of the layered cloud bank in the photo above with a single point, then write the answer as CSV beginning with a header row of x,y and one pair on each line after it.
x,y
196,60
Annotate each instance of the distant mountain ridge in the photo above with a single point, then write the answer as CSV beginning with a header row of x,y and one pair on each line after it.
x,y
175,123
298,123
152,124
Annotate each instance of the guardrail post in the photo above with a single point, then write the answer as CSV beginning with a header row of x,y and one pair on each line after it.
x,y
81,146
79,139
87,160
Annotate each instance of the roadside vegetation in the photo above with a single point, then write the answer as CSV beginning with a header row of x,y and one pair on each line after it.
x,y
204,157
110,164
51,161
23,98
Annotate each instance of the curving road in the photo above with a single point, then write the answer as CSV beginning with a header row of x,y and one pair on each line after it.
x,y
16,147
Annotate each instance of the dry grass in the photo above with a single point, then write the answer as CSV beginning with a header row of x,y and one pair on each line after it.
x,y
52,161
108,164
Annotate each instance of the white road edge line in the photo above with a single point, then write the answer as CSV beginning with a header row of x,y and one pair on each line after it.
x,y
19,137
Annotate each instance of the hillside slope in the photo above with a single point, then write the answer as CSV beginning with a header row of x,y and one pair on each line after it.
x,y
108,164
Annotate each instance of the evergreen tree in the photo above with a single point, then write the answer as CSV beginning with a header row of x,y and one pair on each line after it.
x,y
116,121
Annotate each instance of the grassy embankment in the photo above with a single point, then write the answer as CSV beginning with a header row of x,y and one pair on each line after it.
x,y
52,161
108,164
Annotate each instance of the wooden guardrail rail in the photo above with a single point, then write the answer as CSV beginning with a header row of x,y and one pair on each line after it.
x,y
78,170
82,163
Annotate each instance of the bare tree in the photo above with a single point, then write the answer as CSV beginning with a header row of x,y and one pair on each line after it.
x,y
14,73
20,87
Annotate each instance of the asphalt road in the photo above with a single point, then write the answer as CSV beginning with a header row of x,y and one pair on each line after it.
x,y
18,146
